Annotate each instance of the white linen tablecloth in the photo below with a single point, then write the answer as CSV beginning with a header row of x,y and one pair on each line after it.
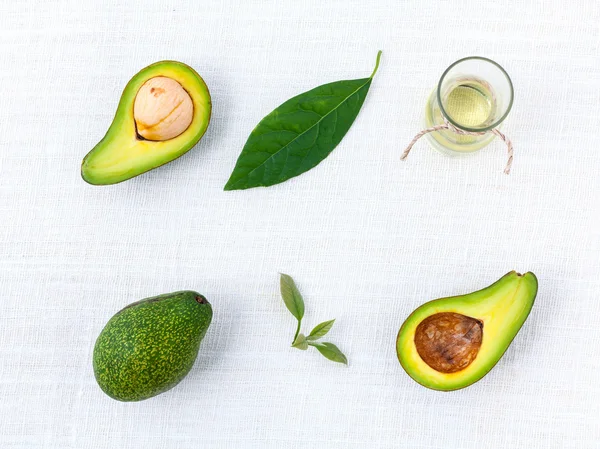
x,y
367,237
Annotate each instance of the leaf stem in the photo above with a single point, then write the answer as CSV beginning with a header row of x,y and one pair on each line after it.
x,y
376,64
297,331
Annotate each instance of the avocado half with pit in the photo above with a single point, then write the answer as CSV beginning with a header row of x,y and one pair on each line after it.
x,y
451,343
164,111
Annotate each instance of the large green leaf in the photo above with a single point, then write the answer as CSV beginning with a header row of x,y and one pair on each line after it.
x,y
299,134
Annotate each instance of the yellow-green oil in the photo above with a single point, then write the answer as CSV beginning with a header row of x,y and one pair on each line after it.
x,y
470,104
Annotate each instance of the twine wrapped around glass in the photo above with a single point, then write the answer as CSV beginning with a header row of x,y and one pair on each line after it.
x,y
465,112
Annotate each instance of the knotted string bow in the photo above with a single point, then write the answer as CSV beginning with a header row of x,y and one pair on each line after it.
x,y
449,126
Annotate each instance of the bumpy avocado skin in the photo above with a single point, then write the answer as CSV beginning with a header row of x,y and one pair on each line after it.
x,y
122,154
502,307
149,347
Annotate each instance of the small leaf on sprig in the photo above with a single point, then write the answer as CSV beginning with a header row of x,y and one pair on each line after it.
x,y
320,330
295,304
300,342
291,296
292,299
331,351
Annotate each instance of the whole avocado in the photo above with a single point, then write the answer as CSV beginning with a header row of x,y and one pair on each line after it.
x,y
149,346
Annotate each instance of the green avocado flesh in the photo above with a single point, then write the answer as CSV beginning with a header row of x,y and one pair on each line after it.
x,y
149,347
122,153
499,311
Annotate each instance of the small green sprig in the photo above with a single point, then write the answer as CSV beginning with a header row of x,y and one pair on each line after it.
x,y
295,304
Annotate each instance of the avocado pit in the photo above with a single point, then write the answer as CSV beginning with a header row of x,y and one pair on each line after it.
x,y
162,110
448,342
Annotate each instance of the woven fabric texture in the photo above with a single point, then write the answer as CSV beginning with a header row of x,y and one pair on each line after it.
x,y
367,237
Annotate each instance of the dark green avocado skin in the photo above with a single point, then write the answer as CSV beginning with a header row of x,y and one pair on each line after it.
x,y
149,347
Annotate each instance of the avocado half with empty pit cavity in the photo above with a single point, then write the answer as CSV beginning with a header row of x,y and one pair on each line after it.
x,y
164,111
451,343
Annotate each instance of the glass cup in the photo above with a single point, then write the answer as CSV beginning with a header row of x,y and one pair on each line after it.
x,y
475,95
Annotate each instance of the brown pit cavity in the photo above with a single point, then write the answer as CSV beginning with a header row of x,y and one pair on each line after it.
x,y
448,342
